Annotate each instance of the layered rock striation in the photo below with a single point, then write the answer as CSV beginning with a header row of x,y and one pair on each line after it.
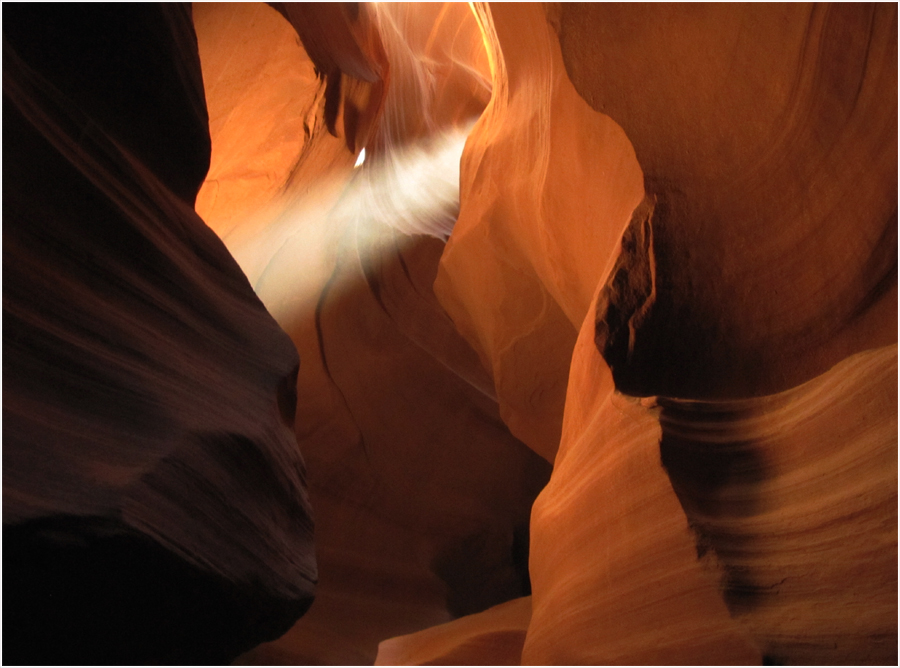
x,y
154,500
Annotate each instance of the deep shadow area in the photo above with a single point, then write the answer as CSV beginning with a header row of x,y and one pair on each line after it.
x,y
485,569
82,591
716,480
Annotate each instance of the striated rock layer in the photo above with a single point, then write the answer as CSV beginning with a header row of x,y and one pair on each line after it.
x,y
587,266
616,578
154,499
794,495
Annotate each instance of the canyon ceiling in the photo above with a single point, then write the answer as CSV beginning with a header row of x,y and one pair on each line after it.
x,y
449,333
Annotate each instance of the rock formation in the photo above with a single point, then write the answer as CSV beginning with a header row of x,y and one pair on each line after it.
x,y
155,506
595,309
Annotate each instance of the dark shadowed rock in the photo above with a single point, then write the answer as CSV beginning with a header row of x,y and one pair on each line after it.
x,y
154,499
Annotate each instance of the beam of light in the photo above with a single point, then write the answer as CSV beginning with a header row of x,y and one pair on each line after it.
x,y
414,190
405,181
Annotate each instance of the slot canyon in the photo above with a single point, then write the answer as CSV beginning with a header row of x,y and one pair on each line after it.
x,y
448,333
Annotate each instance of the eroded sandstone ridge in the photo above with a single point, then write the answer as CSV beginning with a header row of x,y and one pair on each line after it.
x,y
748,279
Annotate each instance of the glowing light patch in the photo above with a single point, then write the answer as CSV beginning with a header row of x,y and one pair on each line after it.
x,y
323,236
415,191
288,260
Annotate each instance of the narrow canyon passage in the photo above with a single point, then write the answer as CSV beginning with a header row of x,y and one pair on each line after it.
x,y
447,333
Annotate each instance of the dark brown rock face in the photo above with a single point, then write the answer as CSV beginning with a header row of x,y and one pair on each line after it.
x,y
154,499
768,136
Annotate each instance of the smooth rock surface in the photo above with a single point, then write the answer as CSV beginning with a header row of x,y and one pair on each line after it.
x,y
493,637
761,252
615,574
795,496
768,141
547,185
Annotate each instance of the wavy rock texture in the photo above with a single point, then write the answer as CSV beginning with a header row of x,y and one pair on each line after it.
x,y
795,495
768,138
422,495
520,269
154,499
651,245
621,584
761,252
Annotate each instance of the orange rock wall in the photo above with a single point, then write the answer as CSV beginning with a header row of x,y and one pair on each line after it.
x,y
619,237
739,274
422,495
530,244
